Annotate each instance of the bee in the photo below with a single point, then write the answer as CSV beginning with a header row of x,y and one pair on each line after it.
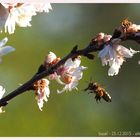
x,y
100,92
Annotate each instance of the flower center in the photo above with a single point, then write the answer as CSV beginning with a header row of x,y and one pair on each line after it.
x,y
67,78
40,84
14,6
55,61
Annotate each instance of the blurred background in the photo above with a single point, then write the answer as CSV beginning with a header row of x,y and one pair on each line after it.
x,y
73,113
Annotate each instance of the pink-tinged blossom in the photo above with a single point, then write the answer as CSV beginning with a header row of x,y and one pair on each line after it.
x,y
70,74
19,14
42,92
2,91
50,58
114,55
5,49
133,28
42,7
102,38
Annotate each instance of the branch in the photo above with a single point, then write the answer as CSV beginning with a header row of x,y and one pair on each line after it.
x,y
27,86
94,46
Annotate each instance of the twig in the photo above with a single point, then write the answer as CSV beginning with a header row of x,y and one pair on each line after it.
x,y
26,86
92,47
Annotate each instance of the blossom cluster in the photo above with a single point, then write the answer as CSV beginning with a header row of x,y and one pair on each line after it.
x,y
113,54
67,75
12,14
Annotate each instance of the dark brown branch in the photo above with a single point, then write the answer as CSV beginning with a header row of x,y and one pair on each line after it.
x,y
92,47
27,86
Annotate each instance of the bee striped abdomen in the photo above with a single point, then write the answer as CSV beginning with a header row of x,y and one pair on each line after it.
x,y
107,97
99,91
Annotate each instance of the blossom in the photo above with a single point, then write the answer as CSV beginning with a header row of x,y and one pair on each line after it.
x,y
50,60
128,27
67,74
2,91
71,72
102,38
42,92
20,14
114,55
133,28
42,6
5,49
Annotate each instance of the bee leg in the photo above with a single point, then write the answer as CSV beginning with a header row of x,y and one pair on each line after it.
x,y
97,98
90,92
100,100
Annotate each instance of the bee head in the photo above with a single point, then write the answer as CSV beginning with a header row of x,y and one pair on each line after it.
x,y
95,85
91,86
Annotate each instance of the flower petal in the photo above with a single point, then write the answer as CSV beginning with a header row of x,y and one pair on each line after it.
x,y
59,80
2,91
114,69
133,51
104,52
40,7
47,91
11,23
50,57
1,111
3,42
59,92
40,104
5,50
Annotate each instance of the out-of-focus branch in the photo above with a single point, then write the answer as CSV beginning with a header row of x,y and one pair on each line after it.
x,y
122,34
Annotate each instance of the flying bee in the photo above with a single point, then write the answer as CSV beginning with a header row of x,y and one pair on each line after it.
x,y
100,92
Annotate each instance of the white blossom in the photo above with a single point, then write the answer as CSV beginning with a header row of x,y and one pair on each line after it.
x,y
2,91
42,92
3,16
68,74
50,58
42,6
133,28
71,74
114,55
5,49
19,14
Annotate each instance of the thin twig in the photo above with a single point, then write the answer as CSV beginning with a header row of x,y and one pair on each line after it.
x,y
26,86
92,47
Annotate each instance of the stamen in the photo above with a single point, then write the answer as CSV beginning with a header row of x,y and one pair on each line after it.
x,y
67,79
